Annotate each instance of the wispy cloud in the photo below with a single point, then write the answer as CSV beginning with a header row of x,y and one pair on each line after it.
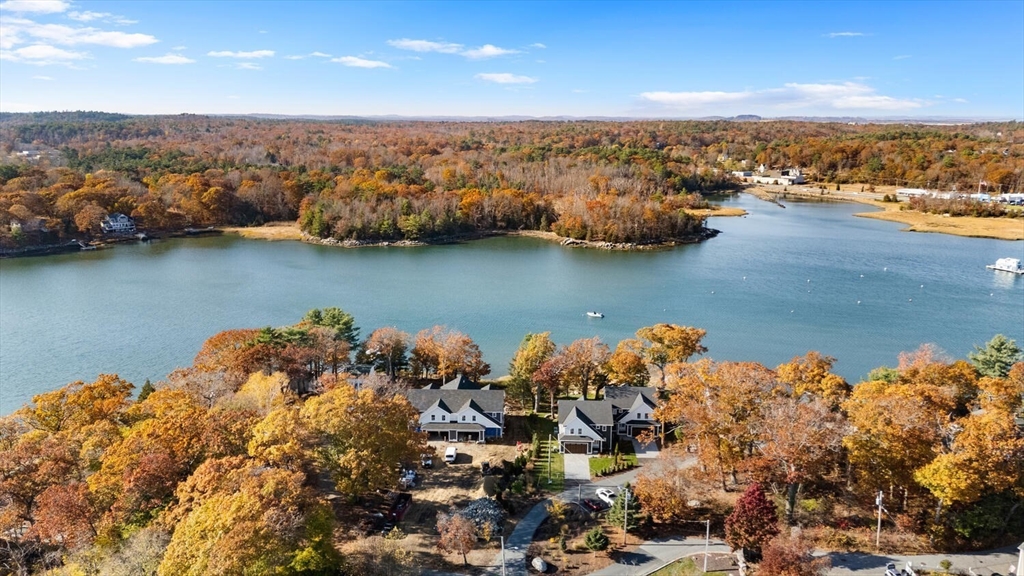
x,y
357,62
960,100
20,30
485,51
44,78
90,16
310,55
901,57
179,48
792,96
845,34
43,55
242,55
248,66
425,46
36,6
166,59
538,45
579,91
505,78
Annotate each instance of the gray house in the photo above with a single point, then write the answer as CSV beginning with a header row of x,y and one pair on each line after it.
x,y
633,409
593,426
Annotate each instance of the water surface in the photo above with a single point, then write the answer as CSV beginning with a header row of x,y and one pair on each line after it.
x,y
773,285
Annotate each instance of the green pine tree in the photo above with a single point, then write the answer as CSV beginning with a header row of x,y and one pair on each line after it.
x,y
996,358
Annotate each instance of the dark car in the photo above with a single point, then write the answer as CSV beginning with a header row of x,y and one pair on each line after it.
x,y
485,468
592,505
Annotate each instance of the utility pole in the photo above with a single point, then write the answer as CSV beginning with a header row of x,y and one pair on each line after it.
x,y
878,534
503,556
707,543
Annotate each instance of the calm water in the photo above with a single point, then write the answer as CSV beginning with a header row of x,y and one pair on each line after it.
x,y
143,310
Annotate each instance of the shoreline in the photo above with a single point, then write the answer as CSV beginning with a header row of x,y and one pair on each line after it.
x,y
1011,229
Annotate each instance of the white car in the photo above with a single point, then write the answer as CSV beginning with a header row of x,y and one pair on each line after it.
x,y
450,454
607,495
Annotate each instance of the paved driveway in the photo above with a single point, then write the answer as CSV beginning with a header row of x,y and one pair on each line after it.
x,y
577,467
648,451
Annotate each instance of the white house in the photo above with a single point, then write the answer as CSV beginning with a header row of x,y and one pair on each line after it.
x,y
460,412
117,223
633,409
585,426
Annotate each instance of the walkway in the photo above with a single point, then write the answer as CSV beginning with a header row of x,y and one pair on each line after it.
x,y
656,553
983,563
577,467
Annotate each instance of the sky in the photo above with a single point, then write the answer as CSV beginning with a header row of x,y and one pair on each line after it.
x,y
583,59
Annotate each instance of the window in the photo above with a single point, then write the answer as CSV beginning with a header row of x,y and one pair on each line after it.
x,y
442,417
433,417
463,417
474,418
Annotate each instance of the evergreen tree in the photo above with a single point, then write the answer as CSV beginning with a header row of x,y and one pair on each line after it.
x,y
996,358
753,523
146,390
596,540
617,514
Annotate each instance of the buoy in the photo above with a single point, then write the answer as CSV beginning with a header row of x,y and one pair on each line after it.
x,y
910,299
744,277
858,301
790,311
712,291
922,285
861,275
885,269
808,279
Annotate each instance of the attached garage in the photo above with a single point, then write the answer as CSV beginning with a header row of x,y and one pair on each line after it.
x,y
576,447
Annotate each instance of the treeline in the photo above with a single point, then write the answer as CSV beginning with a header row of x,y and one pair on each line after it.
x,y
604,181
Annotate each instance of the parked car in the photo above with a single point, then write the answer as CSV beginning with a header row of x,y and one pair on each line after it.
x,y
426,461
592,505
449,454
607,495
485,468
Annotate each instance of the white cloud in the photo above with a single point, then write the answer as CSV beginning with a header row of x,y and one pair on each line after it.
x,y
35,6
505,78
487,51
901,57
425,46
179,48
169,58
15,30
242,55
845,34
356,62
89,16
43,55
960,100
248,66
792,96
579,91
310,55
537,45
45,78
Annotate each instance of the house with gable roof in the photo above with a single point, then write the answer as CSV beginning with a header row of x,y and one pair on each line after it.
x,y
593,426
460,410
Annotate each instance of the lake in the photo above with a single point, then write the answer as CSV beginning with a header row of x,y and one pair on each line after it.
x,y
772,286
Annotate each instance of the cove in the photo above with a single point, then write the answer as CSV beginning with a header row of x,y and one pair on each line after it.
x,y
773,285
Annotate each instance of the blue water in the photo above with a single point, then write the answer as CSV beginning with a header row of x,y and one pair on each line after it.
x,y
142,310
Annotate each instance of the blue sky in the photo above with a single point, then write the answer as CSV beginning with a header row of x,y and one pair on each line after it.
x,y
657,59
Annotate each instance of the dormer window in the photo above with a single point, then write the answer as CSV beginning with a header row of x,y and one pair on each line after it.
x,y
463,417
433,417
442,417
474,418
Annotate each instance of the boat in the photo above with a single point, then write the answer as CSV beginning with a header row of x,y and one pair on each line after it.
x,y
595,314
1011,265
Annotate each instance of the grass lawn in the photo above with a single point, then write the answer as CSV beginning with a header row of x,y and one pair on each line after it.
x,y
557,472
598,463
684,567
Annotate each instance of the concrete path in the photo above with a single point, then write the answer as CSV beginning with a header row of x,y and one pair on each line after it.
x,y
646,451
654,554
577,467
983,563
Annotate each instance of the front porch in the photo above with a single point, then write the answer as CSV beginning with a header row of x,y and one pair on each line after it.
x,y
455,432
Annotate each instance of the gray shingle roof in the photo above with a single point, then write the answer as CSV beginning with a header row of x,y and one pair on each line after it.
x,y
598,412
622,397
487,400
460,382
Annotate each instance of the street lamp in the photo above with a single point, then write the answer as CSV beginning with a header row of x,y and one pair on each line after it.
x,y
549,458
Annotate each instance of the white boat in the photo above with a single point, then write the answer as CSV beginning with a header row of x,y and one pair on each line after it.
x,y
595,314
1012,265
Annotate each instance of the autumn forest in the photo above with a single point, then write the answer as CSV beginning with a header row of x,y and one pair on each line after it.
x,y
369,181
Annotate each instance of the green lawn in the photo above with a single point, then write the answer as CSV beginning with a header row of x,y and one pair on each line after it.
x,y
557,473
598,463
684,567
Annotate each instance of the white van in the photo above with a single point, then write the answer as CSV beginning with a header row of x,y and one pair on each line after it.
x,y
449,454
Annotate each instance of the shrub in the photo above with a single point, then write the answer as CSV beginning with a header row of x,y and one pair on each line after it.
x,y
596,540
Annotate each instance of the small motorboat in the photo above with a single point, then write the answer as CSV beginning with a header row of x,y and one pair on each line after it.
x,y
595,314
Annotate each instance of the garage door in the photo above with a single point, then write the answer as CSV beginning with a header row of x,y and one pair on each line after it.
x,y
577,447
